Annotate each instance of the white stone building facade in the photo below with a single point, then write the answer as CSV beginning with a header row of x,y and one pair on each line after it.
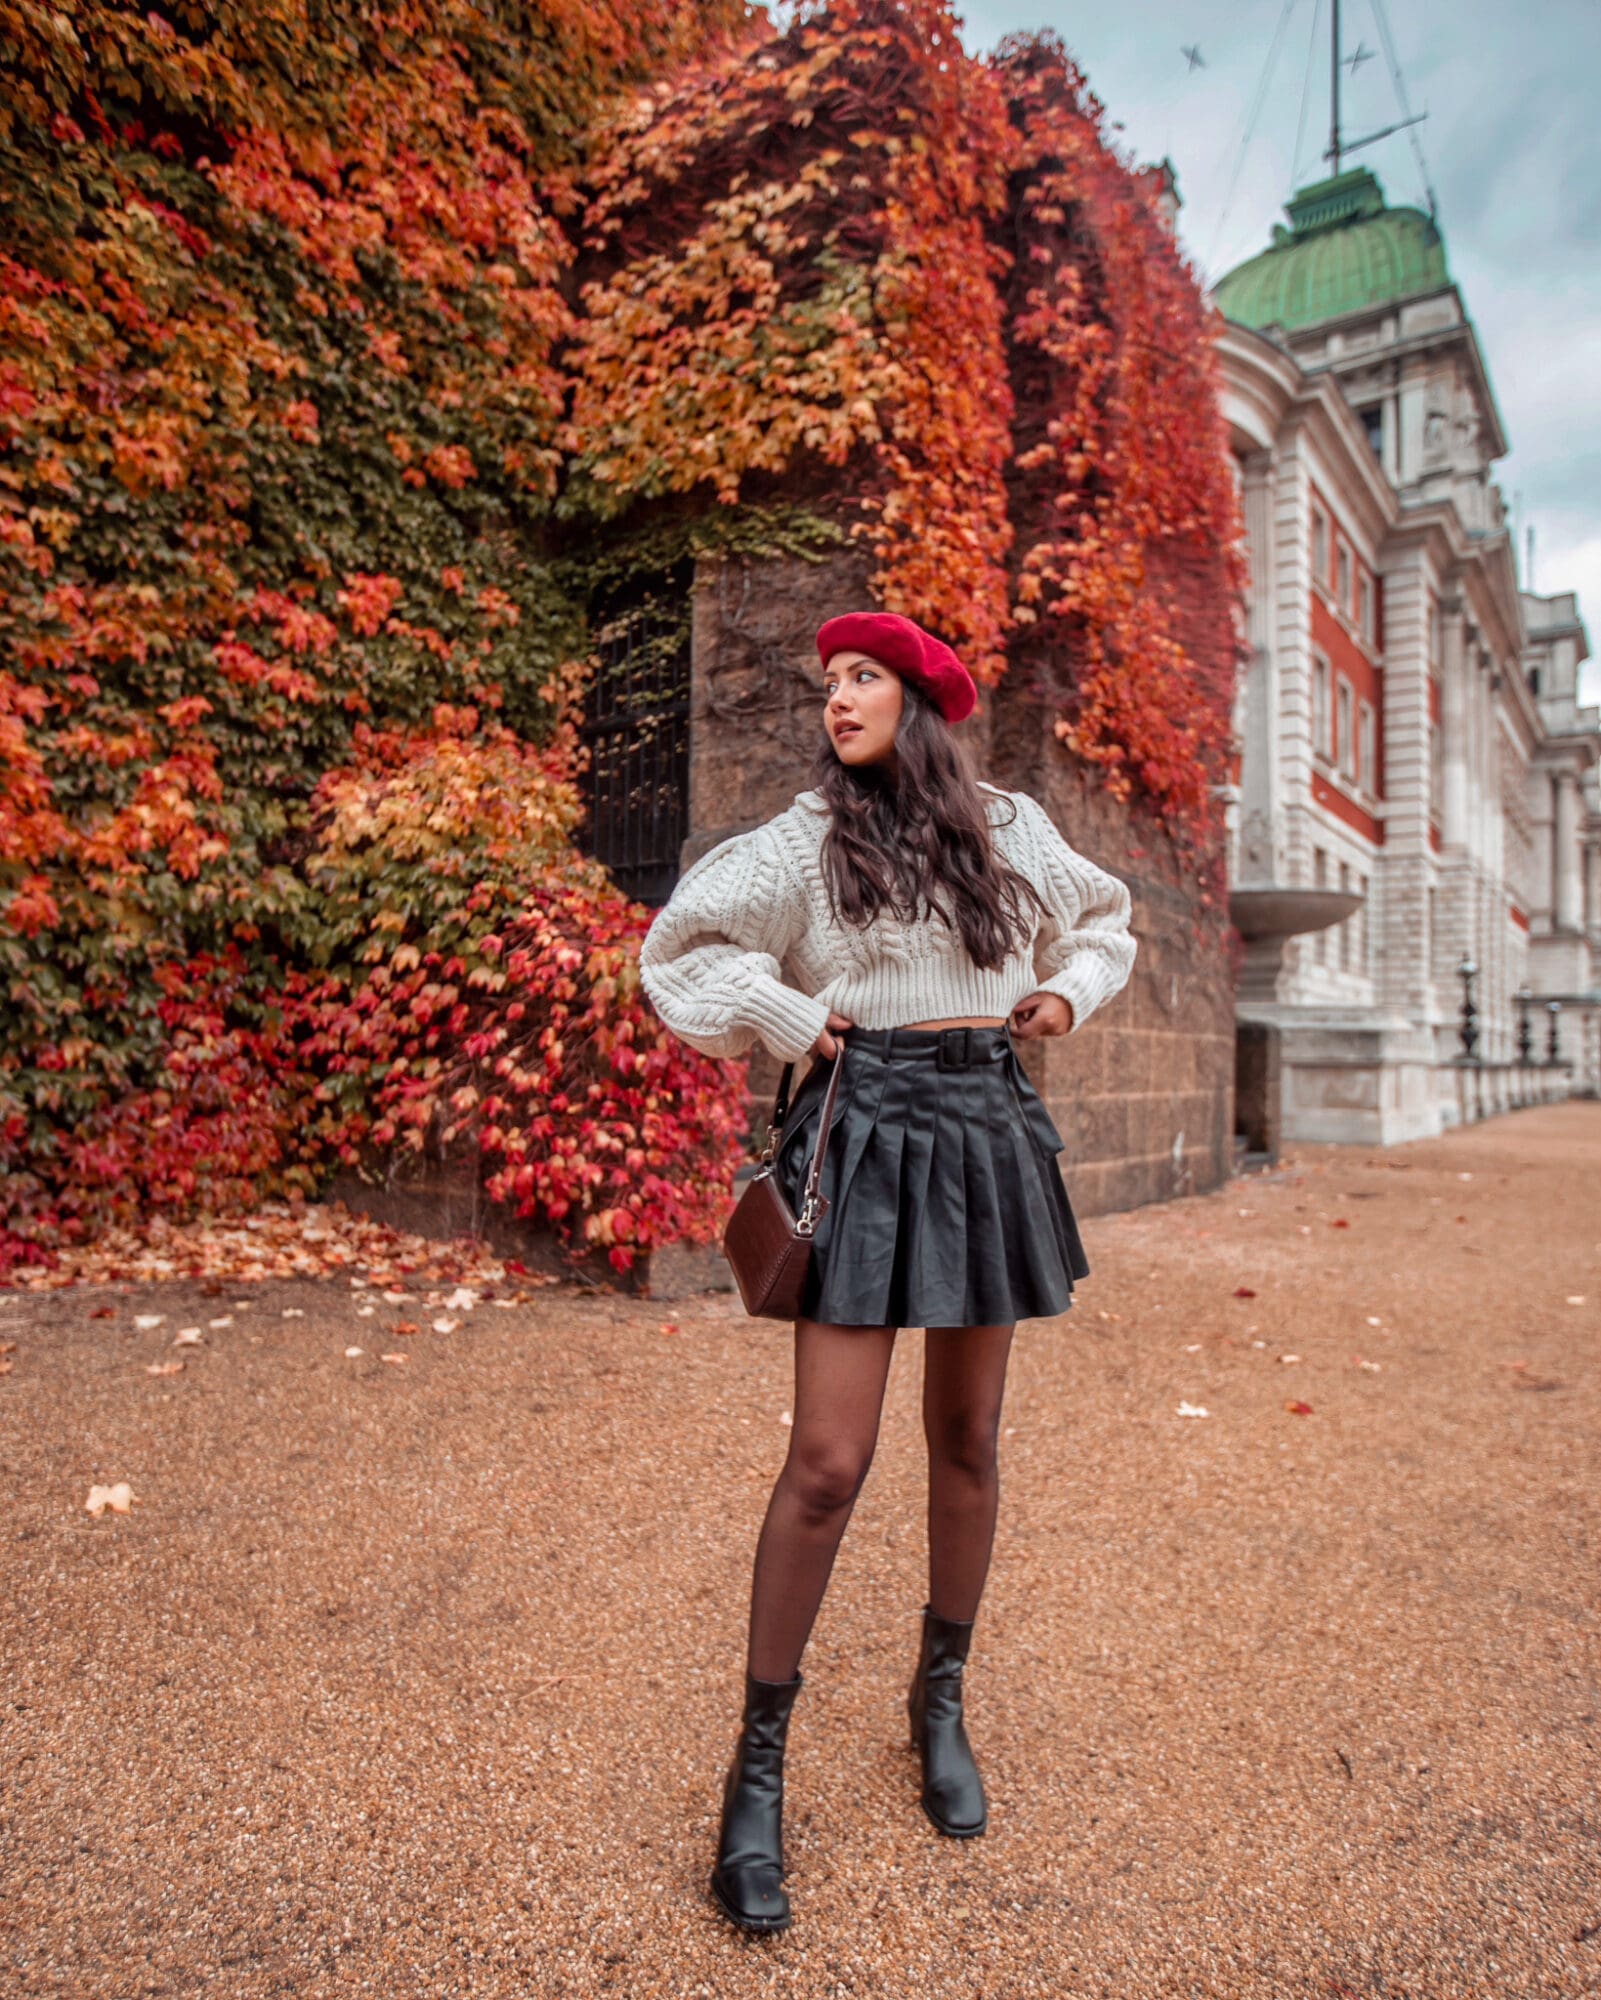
x,y
1418,822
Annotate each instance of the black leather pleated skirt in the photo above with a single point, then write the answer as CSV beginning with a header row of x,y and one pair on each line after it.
x,y
946,1204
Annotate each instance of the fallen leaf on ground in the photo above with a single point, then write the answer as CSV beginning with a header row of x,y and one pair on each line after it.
x,y
225,1319
277,1240
1289,1357
365,1312
1194,1347
104,1312
164,1368
443,1325
405,1326
352,1352
6,1366
669,1326
1575,1298
145,1321
1371,1366
1339,1222
1244,1292
786,1418
118,1498
461,1300
1193,1410
294,1312
401,1358
188,1336
1373,1321
398,1296
8,1347
1299,1409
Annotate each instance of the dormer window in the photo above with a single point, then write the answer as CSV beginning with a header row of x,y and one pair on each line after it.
x,y
1373,423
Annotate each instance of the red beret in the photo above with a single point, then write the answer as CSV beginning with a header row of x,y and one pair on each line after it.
x,y
914,654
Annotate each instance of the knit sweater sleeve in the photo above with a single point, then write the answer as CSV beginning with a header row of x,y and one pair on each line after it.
x,y
711,959
1084,949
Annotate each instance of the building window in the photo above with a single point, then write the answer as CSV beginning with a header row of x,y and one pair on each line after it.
x,y
1342,577
1436,771
1534,681
1345,746
1373,423
1320,705
1320,547
1364,606
1359,921
1367,744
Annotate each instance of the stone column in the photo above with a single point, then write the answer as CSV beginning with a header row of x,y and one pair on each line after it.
x,y
1456,670
1288,601
1260,857
1542,849
1565,890
1402,954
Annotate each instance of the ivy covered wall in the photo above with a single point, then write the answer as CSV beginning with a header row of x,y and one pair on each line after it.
x,y
343,352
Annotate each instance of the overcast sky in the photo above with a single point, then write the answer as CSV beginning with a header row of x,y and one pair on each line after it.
x,y
1509,146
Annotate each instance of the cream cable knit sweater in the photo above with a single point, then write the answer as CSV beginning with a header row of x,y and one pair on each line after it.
x,y
755,909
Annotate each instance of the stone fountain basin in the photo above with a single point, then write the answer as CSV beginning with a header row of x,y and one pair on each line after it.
x,y
1269,912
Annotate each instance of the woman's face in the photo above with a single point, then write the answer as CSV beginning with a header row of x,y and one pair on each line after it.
x,y
862,702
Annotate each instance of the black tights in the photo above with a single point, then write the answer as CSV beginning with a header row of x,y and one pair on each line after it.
x,y
840,1372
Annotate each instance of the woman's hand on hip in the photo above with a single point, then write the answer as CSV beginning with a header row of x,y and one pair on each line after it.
x,y
825,1045
1042,1014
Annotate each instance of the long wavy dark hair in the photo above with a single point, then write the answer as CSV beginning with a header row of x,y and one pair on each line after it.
x,y
920,839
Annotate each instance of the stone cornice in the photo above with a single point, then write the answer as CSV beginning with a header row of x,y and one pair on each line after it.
x,y
1460,333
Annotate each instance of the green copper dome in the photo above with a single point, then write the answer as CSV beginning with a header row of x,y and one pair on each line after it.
x,y
1344,250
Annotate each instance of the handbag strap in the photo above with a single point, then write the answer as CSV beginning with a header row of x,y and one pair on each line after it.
x,y
807,1220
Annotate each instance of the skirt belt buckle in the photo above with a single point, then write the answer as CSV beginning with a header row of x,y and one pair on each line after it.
x,y
955,1049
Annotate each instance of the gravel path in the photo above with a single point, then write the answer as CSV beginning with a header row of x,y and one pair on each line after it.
x,y
419,1679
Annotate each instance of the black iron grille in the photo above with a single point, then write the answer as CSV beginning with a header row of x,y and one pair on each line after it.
x,y
636,726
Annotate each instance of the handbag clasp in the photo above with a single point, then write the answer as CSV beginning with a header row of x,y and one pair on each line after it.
x,y
811,1214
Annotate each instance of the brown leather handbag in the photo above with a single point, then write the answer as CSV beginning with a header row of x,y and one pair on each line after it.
x,y
769,1247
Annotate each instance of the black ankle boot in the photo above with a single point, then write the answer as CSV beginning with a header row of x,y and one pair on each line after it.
x,y
953,1792
747,1880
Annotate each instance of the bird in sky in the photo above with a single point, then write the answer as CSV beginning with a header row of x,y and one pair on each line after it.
x,y
1193,56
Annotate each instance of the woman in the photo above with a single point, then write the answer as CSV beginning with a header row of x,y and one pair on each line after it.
x,y
925,921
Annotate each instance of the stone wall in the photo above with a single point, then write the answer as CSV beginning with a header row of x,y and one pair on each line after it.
x,y
1143,1094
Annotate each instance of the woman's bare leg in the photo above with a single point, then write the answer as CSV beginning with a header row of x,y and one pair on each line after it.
x,y
964,1379
840,1372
